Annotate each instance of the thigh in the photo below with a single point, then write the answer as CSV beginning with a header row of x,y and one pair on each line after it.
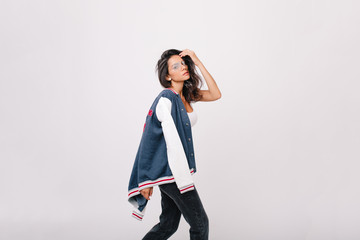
x,y
189,204
170,213
169,220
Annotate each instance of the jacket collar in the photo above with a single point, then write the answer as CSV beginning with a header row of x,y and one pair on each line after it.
x,y
172,90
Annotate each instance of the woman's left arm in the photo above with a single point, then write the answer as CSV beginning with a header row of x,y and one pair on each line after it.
x,y
213,93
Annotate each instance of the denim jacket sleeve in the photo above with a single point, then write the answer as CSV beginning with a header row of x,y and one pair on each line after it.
x,y
176,156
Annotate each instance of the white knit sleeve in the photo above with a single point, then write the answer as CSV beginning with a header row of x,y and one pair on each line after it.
x,y
175,151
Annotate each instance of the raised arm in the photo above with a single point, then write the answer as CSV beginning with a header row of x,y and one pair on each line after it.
x,y
213,93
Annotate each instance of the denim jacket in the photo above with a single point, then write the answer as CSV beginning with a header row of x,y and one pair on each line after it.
x,y
165,153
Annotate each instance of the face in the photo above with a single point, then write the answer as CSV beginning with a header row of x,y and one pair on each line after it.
x,y
178,70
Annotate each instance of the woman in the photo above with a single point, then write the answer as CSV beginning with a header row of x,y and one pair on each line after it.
x,y
165,157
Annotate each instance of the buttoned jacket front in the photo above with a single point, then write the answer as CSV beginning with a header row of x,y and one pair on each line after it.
x,y
153,165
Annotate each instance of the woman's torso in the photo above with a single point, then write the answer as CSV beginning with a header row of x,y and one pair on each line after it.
x,y
191,112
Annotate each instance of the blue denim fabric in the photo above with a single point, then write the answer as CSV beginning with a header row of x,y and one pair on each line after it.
x,y
174,204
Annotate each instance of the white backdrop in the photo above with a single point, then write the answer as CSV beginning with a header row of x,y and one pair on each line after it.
x,y
277,155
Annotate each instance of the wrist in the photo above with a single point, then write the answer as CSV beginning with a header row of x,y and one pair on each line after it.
x,y
198,63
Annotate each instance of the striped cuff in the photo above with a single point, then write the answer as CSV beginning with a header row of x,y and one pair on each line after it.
x,y
186,189
137,215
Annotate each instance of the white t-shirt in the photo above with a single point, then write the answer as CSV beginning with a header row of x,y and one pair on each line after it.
x,y
192,116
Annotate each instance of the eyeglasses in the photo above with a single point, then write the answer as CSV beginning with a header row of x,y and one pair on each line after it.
x,y
177,65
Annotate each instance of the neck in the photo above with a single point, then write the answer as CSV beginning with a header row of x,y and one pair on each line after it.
x,y
178,86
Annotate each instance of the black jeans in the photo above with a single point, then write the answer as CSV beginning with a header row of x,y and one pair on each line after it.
x,y
174,204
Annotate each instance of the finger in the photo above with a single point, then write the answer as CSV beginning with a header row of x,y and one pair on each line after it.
x,y
183,52
151,191
146,195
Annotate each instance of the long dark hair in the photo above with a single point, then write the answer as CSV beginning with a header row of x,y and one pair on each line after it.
x,y
191,89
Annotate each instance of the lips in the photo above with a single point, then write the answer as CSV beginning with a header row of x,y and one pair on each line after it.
x,y
186,73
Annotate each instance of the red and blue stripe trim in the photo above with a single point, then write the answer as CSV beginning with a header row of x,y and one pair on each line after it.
x,y
172,90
